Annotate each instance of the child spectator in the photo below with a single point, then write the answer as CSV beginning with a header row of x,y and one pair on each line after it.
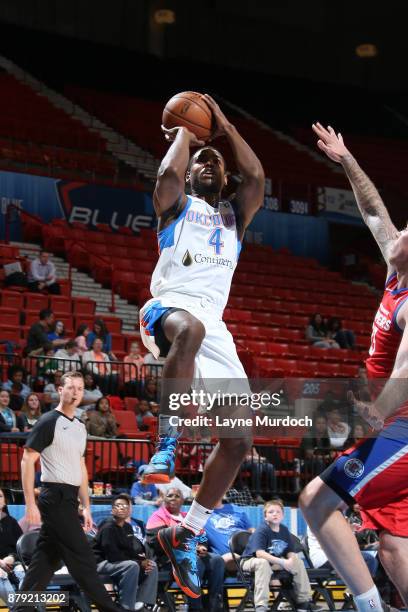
x,y
149,392
80,338
144,494
317,333
31,411
270,547
101,422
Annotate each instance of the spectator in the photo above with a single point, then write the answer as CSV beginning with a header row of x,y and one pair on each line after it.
x,y
122,556
71,357
154,409
37,336
209,565
51,388
100,365
143,410
270,547
175,483
131,372
317,333
31,411
46,364
42,275
10,533
91,392
344,337
9,421
19,391
144,494
224,521
337,429
315,447
100,332
101,422
149,392
80,338
259,468
57,332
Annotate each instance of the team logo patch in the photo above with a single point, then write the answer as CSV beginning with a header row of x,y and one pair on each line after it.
x,y
354,468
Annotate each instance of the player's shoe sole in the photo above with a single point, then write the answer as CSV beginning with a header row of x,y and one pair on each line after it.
x,y
168,540
156,478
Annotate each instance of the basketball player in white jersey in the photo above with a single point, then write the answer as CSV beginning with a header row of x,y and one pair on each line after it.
x,y
200,238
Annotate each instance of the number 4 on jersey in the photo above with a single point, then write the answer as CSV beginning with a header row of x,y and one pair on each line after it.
x,y
215,240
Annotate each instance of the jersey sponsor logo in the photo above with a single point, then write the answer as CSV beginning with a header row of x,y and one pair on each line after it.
x,y
187,259
216,261
353,468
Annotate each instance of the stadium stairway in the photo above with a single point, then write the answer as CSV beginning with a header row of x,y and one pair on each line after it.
x,y
118,145
84,285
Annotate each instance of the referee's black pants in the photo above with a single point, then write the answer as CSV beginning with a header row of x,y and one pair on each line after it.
x,y
62,537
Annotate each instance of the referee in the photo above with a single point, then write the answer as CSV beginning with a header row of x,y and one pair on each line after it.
x,y
59,440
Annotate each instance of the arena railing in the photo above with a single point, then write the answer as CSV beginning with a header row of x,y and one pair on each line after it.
x,y
115,462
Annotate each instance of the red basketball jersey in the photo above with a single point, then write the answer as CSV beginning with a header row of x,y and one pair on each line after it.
x,y
386,335
385,340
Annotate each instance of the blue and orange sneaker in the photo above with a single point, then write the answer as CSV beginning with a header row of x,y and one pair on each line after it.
x,y
179,543
160,469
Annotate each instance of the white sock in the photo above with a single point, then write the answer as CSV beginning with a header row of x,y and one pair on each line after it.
x,y
369,601
196,517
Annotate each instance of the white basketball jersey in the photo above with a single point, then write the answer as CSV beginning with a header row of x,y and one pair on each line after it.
x,y
198,253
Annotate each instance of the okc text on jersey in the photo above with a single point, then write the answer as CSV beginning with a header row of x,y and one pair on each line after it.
x,y
193,216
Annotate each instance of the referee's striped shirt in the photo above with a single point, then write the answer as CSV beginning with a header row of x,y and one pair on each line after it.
x,y
61,442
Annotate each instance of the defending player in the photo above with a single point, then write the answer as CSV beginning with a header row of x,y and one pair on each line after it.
x,y
200,238
373,473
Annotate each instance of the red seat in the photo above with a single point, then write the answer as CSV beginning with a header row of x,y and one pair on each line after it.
x,y
118,343
9,317
11,333
60,305
114,324
83,306
10,299
131,403
36,301
126,421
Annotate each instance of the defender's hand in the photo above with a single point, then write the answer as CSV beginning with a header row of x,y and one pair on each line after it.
x,y
330,143
170,135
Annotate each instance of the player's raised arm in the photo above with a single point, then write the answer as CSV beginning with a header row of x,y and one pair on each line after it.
x,y
250,193
170,183
368,199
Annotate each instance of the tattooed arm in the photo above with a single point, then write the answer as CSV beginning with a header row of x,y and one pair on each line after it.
x,y
368,199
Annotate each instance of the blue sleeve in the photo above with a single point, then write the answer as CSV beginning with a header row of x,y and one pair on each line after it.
x,y
245,523
108,343
90,339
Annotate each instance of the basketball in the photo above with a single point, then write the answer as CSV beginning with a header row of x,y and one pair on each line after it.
x,y
188,109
